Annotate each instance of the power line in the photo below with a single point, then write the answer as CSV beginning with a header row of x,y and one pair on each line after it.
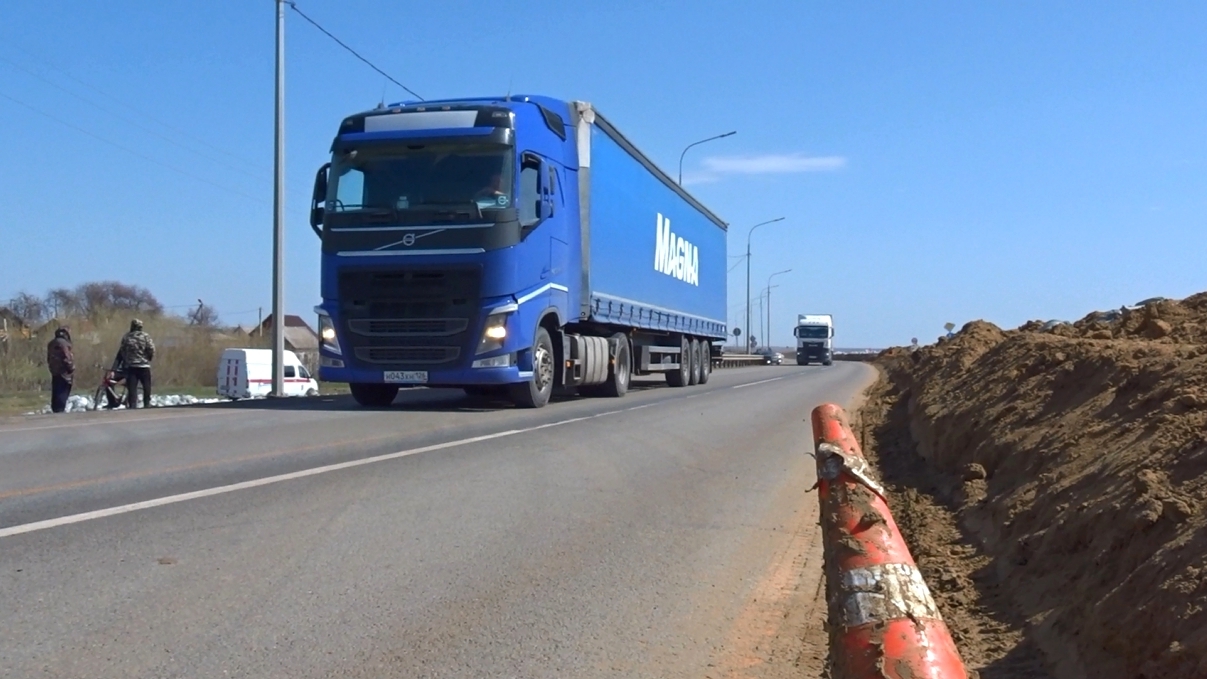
x,y
68,74
123,148
294,7
129,121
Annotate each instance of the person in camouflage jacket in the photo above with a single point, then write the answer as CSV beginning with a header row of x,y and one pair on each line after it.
x,y
137,352
61,363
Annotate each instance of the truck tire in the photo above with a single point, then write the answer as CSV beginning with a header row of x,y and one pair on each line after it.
x,y
705,361
620,372
694,378
535,392
374,395
827,362
680,377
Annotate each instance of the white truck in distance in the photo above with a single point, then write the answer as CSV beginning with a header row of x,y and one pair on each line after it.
x,y
814,339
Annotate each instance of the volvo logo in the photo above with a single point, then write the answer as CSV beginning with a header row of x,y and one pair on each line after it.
x,y
409,239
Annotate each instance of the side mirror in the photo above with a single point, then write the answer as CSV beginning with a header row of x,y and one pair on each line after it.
x,y
317,199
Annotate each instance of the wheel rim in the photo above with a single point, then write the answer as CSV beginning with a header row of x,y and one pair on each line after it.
x,y
544,368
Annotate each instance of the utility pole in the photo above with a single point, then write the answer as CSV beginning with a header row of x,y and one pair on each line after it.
x,y
278,216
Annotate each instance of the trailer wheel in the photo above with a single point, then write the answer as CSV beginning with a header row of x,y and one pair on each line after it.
x,y
705,361
373,395
682,376
694,375
535,392
620,372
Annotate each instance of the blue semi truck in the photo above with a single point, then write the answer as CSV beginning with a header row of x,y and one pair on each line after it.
x,y
515,246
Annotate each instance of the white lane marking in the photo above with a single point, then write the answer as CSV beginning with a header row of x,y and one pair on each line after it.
x,y
255,483
751,384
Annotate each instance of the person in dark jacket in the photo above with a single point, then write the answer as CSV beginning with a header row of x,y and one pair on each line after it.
x,y
137,352
61,362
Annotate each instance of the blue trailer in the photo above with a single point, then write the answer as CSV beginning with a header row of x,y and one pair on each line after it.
x,y
514,246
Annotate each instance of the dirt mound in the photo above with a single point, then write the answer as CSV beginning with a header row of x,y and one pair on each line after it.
x,y
1169,321
1074,463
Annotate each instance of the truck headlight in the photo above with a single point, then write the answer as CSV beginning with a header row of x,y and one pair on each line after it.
x,y
327,336
493,333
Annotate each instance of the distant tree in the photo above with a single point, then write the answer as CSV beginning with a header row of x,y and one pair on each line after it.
x,y
104,299
62,303
30,308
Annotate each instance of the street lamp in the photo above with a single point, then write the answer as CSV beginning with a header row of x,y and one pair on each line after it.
x,y
719,136
766,294
769,286
748,234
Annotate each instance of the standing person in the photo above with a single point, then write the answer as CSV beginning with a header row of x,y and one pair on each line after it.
x,y
137,352
61,362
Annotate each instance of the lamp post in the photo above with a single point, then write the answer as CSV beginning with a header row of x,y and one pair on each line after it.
x,y
777,273
719,136
748,234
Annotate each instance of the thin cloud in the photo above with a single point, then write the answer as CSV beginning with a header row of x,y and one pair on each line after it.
x,y
773,164
693,178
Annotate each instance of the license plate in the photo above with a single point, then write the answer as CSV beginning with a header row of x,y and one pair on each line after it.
x,y
405,376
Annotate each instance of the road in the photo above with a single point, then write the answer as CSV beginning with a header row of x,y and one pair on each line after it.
x,y
665,534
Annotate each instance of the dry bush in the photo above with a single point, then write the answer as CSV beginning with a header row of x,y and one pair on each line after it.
x,y
185,356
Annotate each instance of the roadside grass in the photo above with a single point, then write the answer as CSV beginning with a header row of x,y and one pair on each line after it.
x,y
186,360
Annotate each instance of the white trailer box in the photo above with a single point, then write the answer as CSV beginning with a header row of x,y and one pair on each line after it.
x,y
247,373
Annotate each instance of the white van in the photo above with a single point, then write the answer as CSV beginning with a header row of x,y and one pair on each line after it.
x,y
247,373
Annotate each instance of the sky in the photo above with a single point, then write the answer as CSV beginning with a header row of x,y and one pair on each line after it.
x,y
935,162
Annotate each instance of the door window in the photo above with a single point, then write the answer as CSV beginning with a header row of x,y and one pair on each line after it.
x,y
530,195
289,371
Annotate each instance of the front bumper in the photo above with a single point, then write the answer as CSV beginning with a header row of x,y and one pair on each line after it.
x,y
456,377
813,353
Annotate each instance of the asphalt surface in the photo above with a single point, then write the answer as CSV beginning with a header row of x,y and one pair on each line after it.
x,y
441,537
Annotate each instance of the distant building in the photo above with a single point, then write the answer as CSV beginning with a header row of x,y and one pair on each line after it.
x,y
300,338
12,325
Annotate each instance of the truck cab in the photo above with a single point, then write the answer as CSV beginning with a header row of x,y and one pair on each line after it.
x,y
814,339
444,242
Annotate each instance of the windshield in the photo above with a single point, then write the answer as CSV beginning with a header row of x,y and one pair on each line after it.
x,y
812,332
422,177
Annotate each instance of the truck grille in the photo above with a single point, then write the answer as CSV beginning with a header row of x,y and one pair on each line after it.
x,y
410,317
400,327
408,355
